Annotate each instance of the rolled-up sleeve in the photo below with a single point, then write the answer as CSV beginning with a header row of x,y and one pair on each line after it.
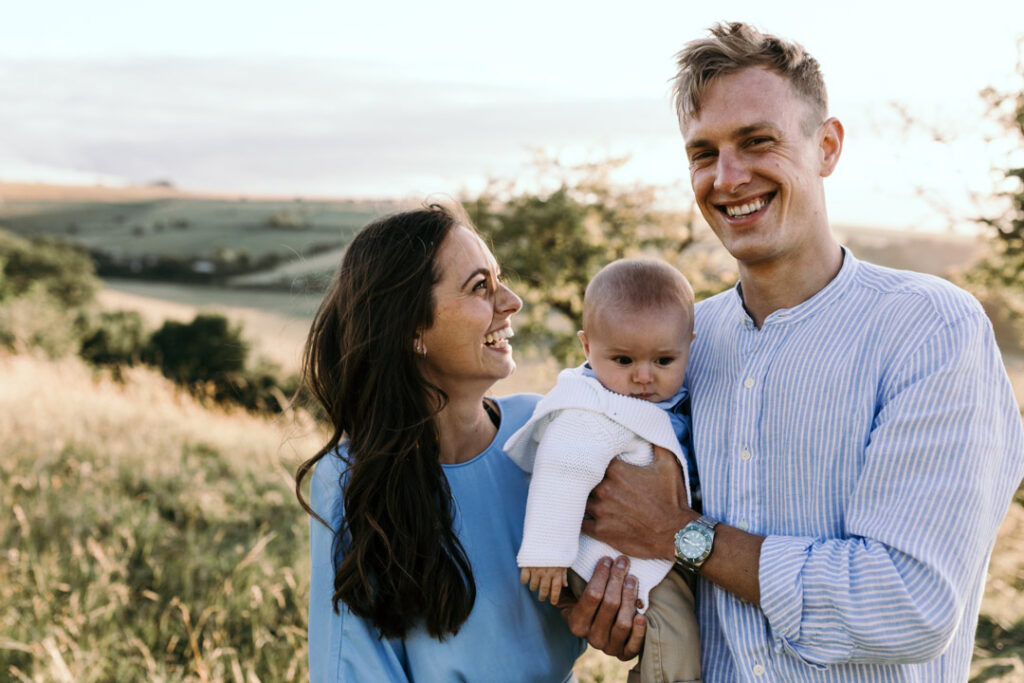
x,y
943,458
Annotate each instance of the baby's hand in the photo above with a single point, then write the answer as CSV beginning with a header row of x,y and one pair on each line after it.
x,y
547,581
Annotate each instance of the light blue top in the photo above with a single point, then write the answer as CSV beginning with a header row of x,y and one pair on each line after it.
x,y
870,433
509,635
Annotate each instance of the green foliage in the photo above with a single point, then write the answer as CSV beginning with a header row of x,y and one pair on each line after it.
x,y
206,349
116,338
999,278
187,571
551,243
63,271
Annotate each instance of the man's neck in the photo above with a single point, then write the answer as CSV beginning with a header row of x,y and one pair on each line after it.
x,y
772,285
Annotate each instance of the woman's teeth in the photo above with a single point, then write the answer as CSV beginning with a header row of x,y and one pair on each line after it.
x,y
498,338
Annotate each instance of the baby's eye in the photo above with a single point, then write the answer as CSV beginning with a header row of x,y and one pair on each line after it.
x,y
622,360
665,360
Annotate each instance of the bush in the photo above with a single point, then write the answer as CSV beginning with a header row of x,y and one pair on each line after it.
x,y
207,349
65,272
117,338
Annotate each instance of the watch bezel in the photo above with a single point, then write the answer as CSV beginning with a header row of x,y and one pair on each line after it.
x,y
697,527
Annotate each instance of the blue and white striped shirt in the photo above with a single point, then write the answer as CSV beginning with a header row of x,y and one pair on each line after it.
x,y
871,435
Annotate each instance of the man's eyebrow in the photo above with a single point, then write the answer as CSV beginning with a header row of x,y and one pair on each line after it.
x,y
738,133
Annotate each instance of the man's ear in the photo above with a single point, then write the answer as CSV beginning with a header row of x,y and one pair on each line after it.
x,y
586,345
831,145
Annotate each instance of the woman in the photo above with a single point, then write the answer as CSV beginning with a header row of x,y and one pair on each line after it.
x,y
420,512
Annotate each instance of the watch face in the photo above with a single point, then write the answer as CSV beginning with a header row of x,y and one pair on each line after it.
x,y
692,543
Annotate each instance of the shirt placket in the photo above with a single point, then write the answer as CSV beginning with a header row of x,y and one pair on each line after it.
x,y
745,484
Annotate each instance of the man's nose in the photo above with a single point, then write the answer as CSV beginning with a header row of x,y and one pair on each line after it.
x,y
730,171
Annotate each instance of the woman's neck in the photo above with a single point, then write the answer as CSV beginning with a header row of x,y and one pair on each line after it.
x,y
464,429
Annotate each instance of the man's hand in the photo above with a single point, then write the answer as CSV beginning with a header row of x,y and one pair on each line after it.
x,y
547,581
606,612
638,510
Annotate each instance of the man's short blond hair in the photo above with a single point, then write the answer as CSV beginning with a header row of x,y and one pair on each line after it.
x,y
630,285
735,46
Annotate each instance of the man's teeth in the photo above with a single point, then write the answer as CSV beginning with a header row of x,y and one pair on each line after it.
x,y
745,209
498,338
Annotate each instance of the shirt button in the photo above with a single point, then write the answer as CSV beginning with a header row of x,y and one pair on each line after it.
x,y
744,454
743,525
758,670
749,383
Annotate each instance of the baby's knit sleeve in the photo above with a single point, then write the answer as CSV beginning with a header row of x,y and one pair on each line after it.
x,y
572,457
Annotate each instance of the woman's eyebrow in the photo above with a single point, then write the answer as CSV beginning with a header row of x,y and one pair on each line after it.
x,y
479,271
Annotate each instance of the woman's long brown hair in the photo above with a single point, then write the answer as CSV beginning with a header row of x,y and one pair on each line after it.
x,y
398,561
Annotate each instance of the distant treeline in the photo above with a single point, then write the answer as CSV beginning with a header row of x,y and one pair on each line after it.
x,y
47,304
208,270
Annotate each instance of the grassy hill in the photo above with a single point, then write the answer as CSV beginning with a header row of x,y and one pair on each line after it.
x,y
152,539
130,232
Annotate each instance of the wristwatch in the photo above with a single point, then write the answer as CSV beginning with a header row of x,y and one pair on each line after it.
x,y
693,542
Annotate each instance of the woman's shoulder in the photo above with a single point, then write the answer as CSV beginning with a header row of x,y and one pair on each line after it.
x,y
328,475
516,409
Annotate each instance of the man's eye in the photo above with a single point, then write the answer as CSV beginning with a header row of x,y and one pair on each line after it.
x,y
702,157
760,140
622,360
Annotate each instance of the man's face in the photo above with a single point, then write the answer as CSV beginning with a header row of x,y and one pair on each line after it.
x,y
757,159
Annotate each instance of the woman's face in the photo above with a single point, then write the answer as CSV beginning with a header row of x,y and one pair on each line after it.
x,y
467,347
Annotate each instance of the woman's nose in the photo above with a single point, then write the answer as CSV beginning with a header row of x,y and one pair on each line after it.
x,y
507,302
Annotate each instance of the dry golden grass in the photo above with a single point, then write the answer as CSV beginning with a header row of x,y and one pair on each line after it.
x,y
152,539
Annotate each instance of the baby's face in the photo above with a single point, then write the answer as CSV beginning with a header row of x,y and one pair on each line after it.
x,y
640,354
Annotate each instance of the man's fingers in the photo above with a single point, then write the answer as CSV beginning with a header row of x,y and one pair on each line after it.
x,y
580,615
636,638
622,628
602,634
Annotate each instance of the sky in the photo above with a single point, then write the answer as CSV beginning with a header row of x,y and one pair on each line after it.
x,y
404,99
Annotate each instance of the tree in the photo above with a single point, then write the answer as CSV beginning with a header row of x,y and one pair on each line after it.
x,y
550,243
205,350
999,278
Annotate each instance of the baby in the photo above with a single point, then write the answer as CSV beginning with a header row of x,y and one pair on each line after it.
x,y
637,329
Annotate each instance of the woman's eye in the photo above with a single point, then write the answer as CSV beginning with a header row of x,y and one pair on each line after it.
x,y
482,284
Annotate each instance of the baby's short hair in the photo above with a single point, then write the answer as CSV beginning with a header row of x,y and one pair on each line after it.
x,y
635,284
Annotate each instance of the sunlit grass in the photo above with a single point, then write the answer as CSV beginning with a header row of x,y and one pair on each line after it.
x,y
151,539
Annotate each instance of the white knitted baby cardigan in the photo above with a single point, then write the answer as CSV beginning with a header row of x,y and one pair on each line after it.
x,y
574,433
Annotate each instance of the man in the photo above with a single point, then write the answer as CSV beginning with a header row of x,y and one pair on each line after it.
x,y
856,436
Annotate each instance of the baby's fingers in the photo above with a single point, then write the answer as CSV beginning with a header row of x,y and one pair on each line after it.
x,y
556,590
524,575
545,587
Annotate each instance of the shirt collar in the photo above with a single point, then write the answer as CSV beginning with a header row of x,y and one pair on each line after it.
x,y
825,297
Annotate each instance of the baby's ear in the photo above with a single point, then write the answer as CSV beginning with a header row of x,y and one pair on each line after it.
x,y
586,345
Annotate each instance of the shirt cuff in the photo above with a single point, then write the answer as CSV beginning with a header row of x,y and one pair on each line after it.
x,y
782,588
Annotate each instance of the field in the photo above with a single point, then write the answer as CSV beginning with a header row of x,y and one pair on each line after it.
x,y
133,226
153,539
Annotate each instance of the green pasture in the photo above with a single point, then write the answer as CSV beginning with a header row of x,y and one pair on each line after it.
x,y
194,228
